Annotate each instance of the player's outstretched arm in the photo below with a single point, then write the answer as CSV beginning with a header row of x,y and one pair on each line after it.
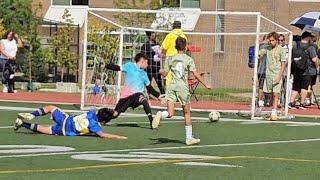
x,y
113,67
152,91
198,77
110,136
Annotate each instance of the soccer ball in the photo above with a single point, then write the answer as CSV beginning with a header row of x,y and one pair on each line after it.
x,y
214,116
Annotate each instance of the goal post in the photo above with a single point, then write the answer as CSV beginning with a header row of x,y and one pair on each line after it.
x,y
220,41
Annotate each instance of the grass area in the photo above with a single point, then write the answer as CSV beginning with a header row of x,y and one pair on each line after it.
x,y
280,158
224,94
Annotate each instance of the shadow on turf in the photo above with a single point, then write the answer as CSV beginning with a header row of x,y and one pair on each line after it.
x,y
165,140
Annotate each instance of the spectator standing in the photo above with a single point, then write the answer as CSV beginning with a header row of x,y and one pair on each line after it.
x,y
8,48
282,42
152,50
168,46
302,77
274,69
313,77
262,70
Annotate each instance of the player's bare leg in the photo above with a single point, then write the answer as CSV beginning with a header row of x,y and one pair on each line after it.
x,y
29,116
39,112
33,127
274,115
190,140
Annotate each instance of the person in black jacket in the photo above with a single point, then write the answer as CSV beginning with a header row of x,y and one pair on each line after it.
x,y
152,50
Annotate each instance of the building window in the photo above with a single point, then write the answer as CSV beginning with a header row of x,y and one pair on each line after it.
x,y
70,2
190,4
219,27
61,2
80,2
181,3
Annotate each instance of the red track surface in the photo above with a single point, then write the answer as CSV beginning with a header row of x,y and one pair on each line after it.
x,y
74,98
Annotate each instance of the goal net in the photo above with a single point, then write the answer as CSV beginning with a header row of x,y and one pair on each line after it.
x,y
218,41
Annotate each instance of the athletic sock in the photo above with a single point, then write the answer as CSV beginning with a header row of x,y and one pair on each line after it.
x,y
38,112
32,127
164,114
261,103
147,110
150,117
188,132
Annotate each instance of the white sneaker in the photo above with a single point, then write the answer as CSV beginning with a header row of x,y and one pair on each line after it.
x,y
11,76
156,120
5,89
25,116
17,124
15,91
192,141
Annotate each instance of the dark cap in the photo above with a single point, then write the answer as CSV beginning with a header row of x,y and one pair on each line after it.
x,y
148,33
306,34
176,25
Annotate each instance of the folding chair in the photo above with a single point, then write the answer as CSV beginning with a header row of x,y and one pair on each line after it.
x,y
315,98
193,84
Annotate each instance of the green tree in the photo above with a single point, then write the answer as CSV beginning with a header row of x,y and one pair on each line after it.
x,y
2,30
64,57
17,15
140,19
20,16
102,49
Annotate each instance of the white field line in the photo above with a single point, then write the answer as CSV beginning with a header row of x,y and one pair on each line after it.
x,y
178,117
5,127
208,164
170,148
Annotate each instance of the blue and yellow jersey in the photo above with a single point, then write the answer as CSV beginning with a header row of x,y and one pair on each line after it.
x,y
68,125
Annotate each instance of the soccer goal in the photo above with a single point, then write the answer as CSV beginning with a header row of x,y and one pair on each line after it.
x,y
218,41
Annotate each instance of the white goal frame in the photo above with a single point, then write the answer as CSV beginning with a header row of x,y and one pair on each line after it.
x,y
257,35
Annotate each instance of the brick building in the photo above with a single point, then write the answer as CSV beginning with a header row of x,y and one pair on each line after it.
x,y
225,60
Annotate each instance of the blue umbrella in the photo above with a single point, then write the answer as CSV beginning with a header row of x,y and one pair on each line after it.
x,y
310,20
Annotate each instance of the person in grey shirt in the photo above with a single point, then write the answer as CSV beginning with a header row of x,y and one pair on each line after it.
x,y
262,70
302,78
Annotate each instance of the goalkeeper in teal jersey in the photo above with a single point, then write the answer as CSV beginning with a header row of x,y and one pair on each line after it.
x,y
65,124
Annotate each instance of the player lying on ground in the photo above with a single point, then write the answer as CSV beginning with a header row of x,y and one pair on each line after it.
x,y
65,124
178,90
131,95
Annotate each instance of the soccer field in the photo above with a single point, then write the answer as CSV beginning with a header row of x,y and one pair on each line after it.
x,y
229,149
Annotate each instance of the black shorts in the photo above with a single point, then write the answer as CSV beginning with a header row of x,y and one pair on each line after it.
x,y
261,78
301,82
313,80
132,101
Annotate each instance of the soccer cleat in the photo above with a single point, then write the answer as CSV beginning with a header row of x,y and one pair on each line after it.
x,y
303,106
291,106
156,120
274,117
25,116
17,124
192,141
